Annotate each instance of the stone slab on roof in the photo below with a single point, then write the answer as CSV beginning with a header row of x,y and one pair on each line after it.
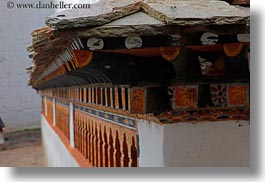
x,y
98,14
173,12
139,18
192,12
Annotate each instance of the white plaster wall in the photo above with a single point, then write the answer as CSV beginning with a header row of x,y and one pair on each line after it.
x,y
224,143
151,137
19,103
55,152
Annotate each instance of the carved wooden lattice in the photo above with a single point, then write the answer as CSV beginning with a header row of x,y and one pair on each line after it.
x,y
104,144
49,111
113,97
62,119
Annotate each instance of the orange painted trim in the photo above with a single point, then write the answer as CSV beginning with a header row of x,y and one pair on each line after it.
x,y
206,48
233,49
170,53
143,52
83,57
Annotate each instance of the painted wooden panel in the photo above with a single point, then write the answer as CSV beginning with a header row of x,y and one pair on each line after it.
x,y
185,97
138,100
218,94
238,94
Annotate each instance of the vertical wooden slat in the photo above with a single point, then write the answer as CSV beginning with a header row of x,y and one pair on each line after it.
x,y
99,101
101,96
133,152
76,95
82,134
129,143
97,95
111,149
90,142
100,144
79,95
106,96
125,151
122,149
123,98
114,146
105,147
78,132
129,99
89,95
87,138
117,98
96,145
76,129
117,149
72,94
85,94
111,98
92,95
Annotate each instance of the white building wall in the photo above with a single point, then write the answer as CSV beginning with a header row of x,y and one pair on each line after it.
x,y
55,151
223,143
151,137
19,103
